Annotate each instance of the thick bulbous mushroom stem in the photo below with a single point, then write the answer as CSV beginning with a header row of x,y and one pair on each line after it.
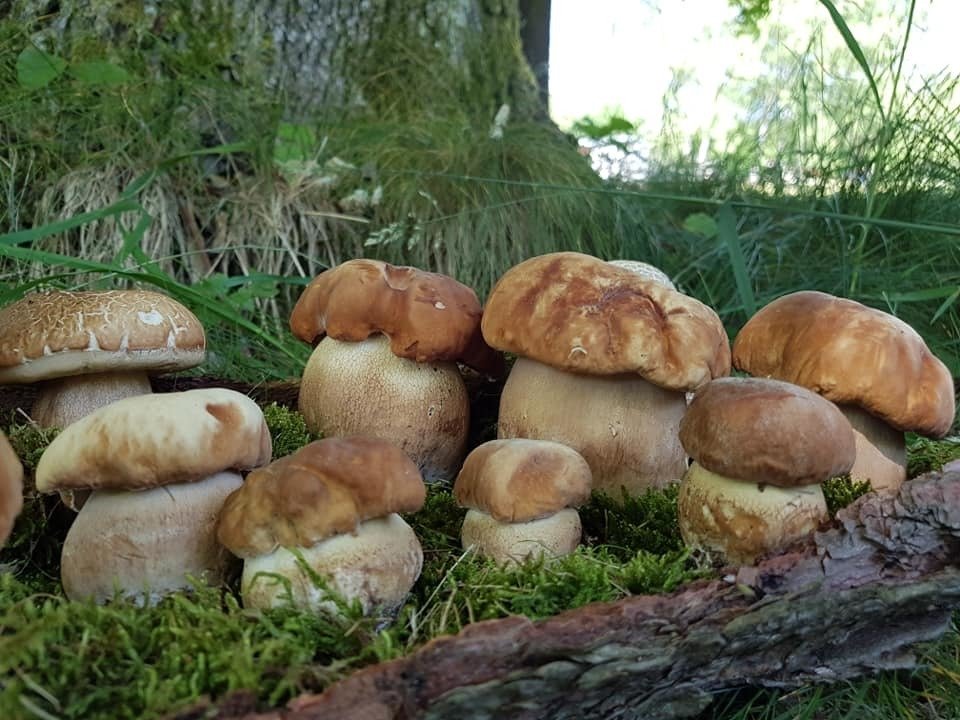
x,y
626,428
65,400
553,536
363,388
881,451
144,545
377,565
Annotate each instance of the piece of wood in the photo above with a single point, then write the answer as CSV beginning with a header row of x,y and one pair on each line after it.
x,y
855,599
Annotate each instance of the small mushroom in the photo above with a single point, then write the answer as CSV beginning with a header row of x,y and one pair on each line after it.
x,y
761,448
11,488
522,497
874,366
88,349
332,505
605,359
389,339
159,467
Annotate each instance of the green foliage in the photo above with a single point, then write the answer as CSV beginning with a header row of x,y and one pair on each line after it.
x,y
925,455
29,440
288,429
629,525
840,491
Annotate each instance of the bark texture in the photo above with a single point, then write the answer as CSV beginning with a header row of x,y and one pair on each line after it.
x,y
853,600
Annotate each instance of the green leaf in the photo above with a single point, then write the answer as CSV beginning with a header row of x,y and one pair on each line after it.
x,y
855,50
701,224
37,69
294,143
99,72
727,227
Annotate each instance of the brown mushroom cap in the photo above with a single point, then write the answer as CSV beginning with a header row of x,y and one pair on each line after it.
x,y
519,480
324,489
767,431
150,440
11,488
578,313
55,334
646,270
850,354
427,316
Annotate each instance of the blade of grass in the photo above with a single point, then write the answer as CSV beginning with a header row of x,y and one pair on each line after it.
x,y
857,52
727,232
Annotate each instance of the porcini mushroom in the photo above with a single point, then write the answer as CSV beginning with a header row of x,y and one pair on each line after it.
x,y
11,488
386,362
522,497
88,349
874,366
160,467
761,448
334,503
606,357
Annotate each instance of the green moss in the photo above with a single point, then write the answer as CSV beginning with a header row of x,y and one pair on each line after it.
x,y
840,491
288,430
925,455
633,524
29,441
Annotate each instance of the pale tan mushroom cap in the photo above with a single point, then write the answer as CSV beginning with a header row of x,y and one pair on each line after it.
x,y
56,334
150,440
428,317
850,354
767,431
646,270
326,488
11,488
578,313
516,480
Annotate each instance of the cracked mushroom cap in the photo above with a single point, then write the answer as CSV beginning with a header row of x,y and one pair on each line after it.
x,y
326,488
151,440
518,480
768,432
427,316
646,270
850,354
55,334
581,314
11,488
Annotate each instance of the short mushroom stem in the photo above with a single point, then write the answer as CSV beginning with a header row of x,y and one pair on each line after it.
x,y
65,400
362,388
743,521
881,451
553,536
377,565
626,428
144,544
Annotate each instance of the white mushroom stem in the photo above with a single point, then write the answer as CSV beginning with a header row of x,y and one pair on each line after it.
x,y
144,544
743,521
881,451
377,566
362,388
512,542
65,400
626,428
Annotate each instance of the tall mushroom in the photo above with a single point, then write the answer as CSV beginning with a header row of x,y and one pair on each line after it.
x,y
333,505
88,349
522,497
160,467
874,366
761,448
386,362
11,488
605,359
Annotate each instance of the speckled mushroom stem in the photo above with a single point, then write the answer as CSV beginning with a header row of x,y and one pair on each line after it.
x,y
553,536
626,428
65,400
881,451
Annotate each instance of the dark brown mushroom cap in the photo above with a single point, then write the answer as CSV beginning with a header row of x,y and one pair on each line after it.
x,y
11,488
768,432
850,354
578,313
56,333
324,489
519,480
427,316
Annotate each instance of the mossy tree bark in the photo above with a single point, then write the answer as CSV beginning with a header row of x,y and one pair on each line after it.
x,y
855,599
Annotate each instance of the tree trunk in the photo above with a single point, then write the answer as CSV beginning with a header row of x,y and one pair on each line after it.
x,y
853,600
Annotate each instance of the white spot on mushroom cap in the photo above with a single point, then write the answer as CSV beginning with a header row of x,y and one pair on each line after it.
x,y
150,318
439,305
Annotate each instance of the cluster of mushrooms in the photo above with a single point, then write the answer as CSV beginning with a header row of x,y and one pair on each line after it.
x,y
620,383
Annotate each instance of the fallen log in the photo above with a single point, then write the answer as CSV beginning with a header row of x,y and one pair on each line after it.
x,y
857,598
